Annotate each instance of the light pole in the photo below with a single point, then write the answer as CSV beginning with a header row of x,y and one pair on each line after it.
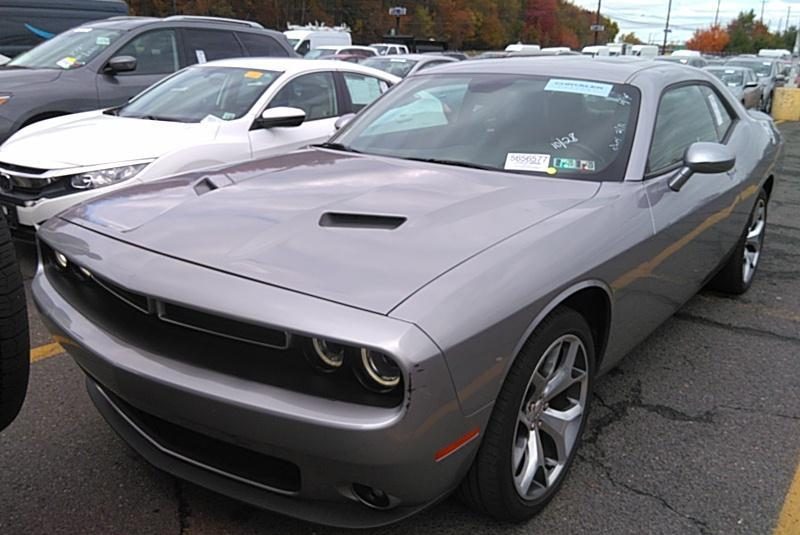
x,y
597,22
666,29
716,15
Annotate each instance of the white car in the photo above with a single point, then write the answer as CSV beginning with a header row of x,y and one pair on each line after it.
x,y
202,116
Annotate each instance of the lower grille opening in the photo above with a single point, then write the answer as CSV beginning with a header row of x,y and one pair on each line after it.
x,y
236,460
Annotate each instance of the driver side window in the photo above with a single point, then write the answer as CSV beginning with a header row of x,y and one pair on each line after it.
x,y
683,118
313,93
156,52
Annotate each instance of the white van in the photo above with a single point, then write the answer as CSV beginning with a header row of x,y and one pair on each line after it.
x,y
687,53
526,49
389,49
775,53
596,50
305,38
645,51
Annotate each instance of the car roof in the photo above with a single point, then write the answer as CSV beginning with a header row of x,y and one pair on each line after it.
x,y
723,67
417,57
294,65
132,22
605,69
339,47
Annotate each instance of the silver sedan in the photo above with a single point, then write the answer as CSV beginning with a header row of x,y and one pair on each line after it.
x,y
348,333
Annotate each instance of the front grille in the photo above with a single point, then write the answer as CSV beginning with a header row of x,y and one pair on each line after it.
x,y
204,340
226,457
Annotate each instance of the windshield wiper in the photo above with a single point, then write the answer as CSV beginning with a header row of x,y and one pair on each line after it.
x,y
155,118
456,163
336,146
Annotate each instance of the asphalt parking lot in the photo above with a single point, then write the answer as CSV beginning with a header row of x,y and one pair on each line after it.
x,y
698,431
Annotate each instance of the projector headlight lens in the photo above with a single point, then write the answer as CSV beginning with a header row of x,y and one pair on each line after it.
x,y
106,177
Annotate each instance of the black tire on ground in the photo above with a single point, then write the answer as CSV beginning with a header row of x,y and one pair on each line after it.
x,y
14,337
730,279
489,485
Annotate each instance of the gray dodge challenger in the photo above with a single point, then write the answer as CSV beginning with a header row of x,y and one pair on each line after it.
x,y
349,333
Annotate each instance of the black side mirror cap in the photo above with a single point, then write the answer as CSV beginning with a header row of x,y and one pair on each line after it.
x,y
121,64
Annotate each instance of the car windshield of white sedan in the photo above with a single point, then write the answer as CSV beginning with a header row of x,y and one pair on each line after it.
x,y
201,94
397,66
550,126
69,50
729,77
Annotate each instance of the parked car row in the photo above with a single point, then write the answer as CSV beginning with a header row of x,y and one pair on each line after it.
x,y
419,303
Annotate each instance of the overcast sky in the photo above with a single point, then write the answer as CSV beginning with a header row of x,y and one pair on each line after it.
x,y
647,17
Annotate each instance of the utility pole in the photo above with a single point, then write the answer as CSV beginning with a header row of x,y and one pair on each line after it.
x,y
763,2
666,29
174,7
597,22
716,15
788,15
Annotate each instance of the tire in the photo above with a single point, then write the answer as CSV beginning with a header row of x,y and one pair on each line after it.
x,y
496,481
14,338
739,270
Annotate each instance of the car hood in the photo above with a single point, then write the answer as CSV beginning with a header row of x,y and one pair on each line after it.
x,y
94,138
358,230
14,78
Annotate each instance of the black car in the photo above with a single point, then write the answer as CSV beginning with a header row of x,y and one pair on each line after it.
x,y
104,63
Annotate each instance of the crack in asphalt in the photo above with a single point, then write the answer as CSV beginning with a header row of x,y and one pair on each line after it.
x,y
184,510
691,318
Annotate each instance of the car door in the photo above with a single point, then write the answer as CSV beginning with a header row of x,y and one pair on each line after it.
x,y
157,55
752,95
315,93
690,227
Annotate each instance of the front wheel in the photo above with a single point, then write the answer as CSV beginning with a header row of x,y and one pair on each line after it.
x,y
537,421
737,274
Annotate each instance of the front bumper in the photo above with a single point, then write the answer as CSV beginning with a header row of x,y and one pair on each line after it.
x,y
332,444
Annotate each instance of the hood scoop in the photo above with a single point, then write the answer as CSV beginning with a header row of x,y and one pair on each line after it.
x,y
360,221
208,184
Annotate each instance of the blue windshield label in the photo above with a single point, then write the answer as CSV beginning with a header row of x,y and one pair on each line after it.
x,y
581,87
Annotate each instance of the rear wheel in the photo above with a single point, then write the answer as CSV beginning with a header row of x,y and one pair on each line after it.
x,y
536,425
14,339
737,274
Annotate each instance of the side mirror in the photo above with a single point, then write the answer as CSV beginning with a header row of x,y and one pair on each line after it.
x,y
703,157
121,64
751,84
781,78
343,120
282,116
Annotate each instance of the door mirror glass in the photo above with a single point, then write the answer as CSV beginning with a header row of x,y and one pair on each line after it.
x,y
121,64
343,120
282,116
706,158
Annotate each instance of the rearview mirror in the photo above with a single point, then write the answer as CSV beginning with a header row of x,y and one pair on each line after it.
x,y
703,157
121,64
281,116
343,120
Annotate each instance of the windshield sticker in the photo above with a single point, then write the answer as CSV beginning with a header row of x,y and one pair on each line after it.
x,y
581,87
562,142
201,56
82,30
66,63
253,75
210,119
587,165
523,161
716,110
102,40
552,170
228,115
565,163
616,144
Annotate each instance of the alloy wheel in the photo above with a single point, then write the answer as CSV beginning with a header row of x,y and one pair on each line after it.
x,y
549,418
754,240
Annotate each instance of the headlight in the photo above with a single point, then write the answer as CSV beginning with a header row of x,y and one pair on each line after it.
x,y
105,177
324,355
379,371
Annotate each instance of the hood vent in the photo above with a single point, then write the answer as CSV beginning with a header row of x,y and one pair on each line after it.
x,y
362,221
210,183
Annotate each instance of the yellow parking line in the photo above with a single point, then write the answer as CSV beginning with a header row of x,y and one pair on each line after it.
x,y
789,521
46,351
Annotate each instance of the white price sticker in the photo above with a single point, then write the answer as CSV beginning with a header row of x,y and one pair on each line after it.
x,y
523,161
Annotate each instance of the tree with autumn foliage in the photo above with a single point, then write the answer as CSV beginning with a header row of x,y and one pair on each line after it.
x,y
712,40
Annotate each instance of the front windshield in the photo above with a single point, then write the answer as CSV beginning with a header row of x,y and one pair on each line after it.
x,y
382,49
69,50
525,124
729,77
320,53
762,68
293,42
397,66
201,94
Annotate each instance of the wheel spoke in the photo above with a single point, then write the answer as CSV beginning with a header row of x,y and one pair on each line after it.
x,y
532,461
567,375
562,427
